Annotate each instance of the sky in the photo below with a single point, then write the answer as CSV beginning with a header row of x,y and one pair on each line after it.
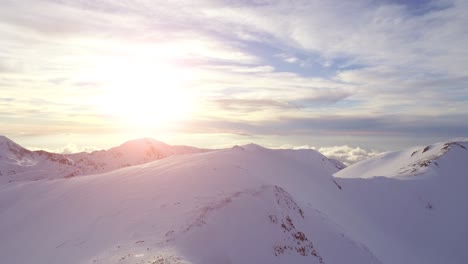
x,y
363,76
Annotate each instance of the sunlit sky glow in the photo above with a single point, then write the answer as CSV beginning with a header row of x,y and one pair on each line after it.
x,y
376,74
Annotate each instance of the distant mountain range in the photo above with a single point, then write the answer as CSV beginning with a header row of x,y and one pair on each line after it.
x,y
18,163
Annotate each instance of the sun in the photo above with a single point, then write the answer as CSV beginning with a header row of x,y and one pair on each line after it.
x,y
145,96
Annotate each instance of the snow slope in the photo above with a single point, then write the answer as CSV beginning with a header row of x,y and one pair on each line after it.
x,y
218,207
247,204
418,211
411,162
18,163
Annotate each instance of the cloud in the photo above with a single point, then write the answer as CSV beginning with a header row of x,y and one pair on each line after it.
x,y
371,33
67,149
312,98
72,148
329,125
396,48
347,154
288,58
323,97
291,60
249,105
299,67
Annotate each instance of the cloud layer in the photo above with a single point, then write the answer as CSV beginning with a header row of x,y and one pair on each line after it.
x,y
350,69
346,154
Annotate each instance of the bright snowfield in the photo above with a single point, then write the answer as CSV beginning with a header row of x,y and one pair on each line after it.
x,y
243,205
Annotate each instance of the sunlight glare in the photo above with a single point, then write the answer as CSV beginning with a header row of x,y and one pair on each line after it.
x,y
145,96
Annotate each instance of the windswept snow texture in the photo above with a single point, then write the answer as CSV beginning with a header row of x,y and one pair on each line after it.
x,y
247,204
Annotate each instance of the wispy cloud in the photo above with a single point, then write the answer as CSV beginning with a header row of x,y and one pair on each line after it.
x,y
353,68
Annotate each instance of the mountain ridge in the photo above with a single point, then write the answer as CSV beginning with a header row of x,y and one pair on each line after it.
x,y
240,205
412,162
40,164
18,163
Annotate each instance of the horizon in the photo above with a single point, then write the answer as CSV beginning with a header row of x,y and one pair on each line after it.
x,y
347,155
144,204
362,76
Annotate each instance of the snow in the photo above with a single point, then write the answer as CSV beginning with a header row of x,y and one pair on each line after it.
x,y
419,209
412,162
246,204
18,163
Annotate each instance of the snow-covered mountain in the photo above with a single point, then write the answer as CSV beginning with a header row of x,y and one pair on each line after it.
x,y
247,204
422,161
418,210
18,163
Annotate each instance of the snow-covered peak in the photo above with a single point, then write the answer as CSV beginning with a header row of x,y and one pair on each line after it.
x,y
8,148
253,147
143,143
18,163
13,154
416,161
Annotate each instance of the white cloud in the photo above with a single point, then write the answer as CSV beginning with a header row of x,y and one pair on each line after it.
x,y
368,33
291,60
377,36
67,149
347,154
390,61
72,148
